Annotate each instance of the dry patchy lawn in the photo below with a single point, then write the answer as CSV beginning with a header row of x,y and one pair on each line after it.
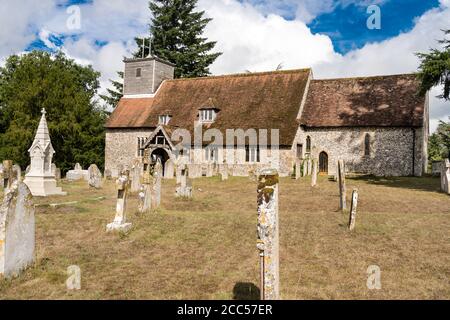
x,y
206,248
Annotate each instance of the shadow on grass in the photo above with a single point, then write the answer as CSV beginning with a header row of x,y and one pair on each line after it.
x,y
246,291
426,183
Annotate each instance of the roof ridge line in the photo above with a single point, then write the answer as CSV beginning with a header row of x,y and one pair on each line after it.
x,y
368,77
249,74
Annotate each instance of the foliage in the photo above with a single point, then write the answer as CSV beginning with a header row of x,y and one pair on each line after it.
x,y
439,143
435,68
67,91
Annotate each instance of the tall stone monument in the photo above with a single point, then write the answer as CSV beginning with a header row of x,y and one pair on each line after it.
x,y
120,221
40,180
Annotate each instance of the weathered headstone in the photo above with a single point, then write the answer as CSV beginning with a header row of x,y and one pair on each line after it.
x,y
120,222
145,194
184,188
135,176
95,177
298,168
77,174
156,187
17,230
268,234
445,176
309,167
108,174
354,205
314,174
223,172
342,186
304,168
169,169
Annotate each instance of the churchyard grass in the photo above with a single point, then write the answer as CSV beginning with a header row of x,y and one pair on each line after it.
x,y
205,247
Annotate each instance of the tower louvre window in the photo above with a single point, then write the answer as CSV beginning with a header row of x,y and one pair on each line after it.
x,y
164,119
138,72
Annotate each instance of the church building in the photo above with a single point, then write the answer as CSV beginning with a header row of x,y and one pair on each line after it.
x,y
377,125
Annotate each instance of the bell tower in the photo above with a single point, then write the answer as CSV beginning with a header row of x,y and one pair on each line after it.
x,y
143,76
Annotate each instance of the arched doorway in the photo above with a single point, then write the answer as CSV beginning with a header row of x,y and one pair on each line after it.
x,y
323,163
162,155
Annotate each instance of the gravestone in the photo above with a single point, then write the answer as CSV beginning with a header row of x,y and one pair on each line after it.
x,y
169,169
120,221
136,171
156,187
145,193
17,230
209,170
445,176
223,172
309,167
304,168
342,186
314,174
108,174
184,188
95,177
298,168
77,174
268,234
354,205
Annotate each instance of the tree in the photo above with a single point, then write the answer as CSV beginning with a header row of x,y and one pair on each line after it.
x,y
176,36
439,142
113,96
66,90
435,68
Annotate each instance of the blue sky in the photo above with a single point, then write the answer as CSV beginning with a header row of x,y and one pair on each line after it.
x,y
329,36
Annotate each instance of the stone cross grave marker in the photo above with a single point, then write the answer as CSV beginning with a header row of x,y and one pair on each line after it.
x,y
120,222
268,234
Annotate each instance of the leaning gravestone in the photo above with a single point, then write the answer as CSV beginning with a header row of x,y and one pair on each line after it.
x,y
120,221
95,177
17,230
223,172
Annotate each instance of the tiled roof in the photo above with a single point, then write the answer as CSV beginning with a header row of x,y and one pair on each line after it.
x,y
386,101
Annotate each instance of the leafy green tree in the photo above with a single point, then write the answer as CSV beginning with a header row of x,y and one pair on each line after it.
x,y
177,36
435,68
439,142
67,91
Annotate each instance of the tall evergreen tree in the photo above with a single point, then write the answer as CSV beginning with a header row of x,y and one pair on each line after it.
x,y
435,68
114,95
176,36
67,91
